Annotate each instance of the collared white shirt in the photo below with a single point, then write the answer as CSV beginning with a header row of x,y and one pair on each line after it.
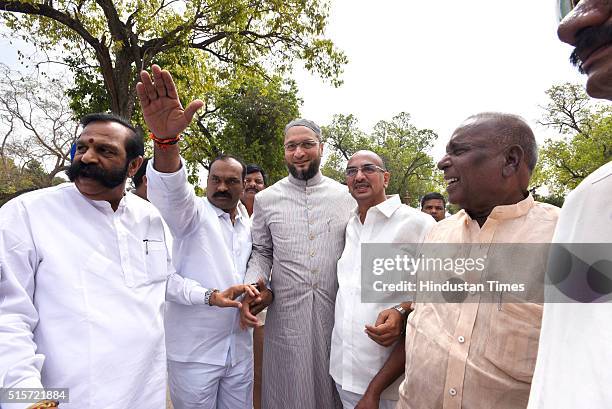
x,y
82,291
355,358
211,250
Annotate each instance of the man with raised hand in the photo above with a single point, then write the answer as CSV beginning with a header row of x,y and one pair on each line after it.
x,y
84,275
365,333
477,353
574,368
210,358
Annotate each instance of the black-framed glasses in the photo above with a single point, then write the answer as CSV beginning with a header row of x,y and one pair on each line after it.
x,y
368,169
565,6
292,146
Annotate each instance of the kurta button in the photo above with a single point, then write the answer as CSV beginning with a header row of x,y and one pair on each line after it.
x,y
312,253
311,222
452,392
461,339
315,286
311,237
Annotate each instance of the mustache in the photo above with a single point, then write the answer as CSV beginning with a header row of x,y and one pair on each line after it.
x,y
589,40
110,179
222,194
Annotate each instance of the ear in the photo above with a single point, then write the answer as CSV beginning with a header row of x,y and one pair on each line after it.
x,y
514,156
134,166
321,148
386,178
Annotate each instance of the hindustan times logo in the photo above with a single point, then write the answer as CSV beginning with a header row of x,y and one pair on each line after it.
x,y
410,265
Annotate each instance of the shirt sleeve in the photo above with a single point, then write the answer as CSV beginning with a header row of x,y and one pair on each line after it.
x,y
174,197
20,365
260,263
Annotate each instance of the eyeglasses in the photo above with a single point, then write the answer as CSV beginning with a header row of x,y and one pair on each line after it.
x,y
292,146
368,169
565,6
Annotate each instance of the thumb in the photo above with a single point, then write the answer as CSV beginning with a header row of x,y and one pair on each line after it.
x,y
192,108
382,317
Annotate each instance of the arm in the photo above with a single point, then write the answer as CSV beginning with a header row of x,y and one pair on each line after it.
x,y
389,326
391,370
259,267
20,365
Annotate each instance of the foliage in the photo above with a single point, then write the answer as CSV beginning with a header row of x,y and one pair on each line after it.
x,y
106,42
37,130
584,145
402,146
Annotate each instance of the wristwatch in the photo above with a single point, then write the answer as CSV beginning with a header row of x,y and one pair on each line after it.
x,y
208,296
401,310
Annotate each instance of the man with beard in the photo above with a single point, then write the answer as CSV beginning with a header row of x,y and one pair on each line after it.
x,y
298,236
84,274
574,368
210,358
254,183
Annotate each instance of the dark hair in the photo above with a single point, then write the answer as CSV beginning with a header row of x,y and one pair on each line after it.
x,y
252,168
432,196
225,157
142,170
134,144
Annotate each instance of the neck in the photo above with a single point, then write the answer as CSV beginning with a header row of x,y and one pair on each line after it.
x,y
232,213
481,215
248,203
364,206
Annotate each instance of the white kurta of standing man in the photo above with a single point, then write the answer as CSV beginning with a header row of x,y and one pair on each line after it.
x,y
82,291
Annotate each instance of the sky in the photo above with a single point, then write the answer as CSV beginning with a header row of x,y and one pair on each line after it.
x,y
440,61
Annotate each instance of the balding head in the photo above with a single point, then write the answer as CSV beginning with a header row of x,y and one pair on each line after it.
x,y
367,179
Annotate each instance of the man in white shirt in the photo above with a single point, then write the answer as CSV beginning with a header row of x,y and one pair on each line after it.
x,y
210,358
364,333
574,366
84,273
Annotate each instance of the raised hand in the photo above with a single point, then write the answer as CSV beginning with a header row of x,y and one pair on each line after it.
x,y
227,298
161,107
388,327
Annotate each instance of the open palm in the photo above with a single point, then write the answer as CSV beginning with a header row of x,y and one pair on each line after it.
x,y
161,107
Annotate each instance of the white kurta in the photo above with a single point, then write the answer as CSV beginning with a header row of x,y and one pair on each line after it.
x,y
213,252
81,298
574,366
355,358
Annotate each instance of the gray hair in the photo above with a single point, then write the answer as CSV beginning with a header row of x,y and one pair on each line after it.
x,y
304,122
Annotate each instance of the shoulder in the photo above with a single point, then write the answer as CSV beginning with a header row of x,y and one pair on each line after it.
x,y
591,185
544,211
271,193
39,196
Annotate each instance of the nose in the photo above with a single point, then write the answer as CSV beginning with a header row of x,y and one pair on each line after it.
x,y
360,175
588,13
89,156
444,162
299,151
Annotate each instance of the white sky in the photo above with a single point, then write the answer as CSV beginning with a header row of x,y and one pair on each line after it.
x,y
441,61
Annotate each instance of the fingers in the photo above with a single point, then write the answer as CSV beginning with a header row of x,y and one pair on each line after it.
x,y
142,95
168,83
247,319
149,88
192,108
382,317
160,87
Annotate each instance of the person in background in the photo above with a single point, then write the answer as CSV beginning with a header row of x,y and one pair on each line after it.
x,y
254,183
140,180
434,204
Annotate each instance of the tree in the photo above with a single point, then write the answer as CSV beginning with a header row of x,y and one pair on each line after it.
x,y
584,144
106,42
402,146
246,119
37,128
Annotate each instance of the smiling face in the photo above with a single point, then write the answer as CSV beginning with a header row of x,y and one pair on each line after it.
x,y
588,27
303,152
253,184
473,166
368,185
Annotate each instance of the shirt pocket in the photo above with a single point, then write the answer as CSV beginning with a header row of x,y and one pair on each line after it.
x,y
155,263
512,344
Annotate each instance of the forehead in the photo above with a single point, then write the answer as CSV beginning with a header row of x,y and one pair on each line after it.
x,y
364,158
104,132
433,202
226,167
474,132
254,175
299,133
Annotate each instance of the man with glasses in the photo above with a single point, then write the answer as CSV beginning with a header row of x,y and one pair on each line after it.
x,y
298,236
210,358
574,367
364,334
